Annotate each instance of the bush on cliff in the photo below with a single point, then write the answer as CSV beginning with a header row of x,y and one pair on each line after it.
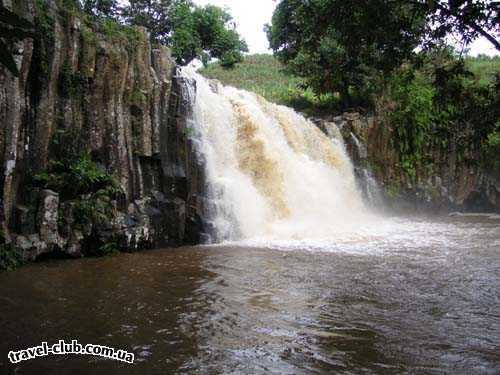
x,y
72,178
9,257
76,177
440,105
411,117
87,184
492,151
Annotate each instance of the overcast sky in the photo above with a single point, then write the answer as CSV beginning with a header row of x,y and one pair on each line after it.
x,y
252,15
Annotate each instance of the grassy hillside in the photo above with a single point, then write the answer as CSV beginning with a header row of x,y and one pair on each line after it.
x,y
484,67
264,75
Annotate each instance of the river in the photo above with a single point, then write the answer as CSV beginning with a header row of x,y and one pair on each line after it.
x,y
423,299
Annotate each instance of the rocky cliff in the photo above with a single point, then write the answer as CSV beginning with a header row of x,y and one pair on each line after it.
x,y
450,183
94,140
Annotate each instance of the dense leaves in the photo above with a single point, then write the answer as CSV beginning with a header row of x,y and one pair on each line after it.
x,y
72,178
344,46
352,46
153,15
442,106
191,31
101,8
468,19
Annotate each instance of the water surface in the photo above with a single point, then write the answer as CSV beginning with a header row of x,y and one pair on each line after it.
x,y
422,297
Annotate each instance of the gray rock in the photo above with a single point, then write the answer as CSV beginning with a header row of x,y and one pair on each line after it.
x,y
48,217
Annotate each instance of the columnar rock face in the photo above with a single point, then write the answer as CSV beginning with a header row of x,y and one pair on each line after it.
x,y
450,185
105,89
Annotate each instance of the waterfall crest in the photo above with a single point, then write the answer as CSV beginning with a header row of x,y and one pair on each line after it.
x,y
271,173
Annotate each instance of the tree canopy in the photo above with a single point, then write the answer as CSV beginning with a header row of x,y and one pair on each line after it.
x,y
153,15
191,31
103,8
350,46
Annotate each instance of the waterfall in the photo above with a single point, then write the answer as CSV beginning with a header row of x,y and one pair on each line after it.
x,y
370,188
271,173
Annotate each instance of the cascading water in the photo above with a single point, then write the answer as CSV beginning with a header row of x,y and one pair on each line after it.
x,y
271,173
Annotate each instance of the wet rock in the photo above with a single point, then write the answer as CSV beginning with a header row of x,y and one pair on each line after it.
x,y
449,185
122,103
48,217
25,220
30,247
74,246
478,201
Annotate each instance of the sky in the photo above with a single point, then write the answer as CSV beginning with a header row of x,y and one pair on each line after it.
x,y
251,16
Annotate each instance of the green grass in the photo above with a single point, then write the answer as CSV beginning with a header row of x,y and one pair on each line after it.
x,y
484,68
265,75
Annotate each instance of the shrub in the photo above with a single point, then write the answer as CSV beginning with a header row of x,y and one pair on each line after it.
x,y
74,178
80,179
9,257
492,151
411,118
107,249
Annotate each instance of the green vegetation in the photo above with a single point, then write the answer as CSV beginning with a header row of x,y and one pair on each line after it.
x,y
84,182
351,47
266,76
100,8
9,257
366,53
118,32
492,150
77,178
44,40
262,74
411,118
70,83
439,104
191,31
484,68
106,249
344,46
72,178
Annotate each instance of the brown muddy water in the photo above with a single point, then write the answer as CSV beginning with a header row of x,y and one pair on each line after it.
x,y
422,300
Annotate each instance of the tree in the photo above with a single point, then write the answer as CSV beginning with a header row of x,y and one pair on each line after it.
x,y
350,46
469,19
154,15
344,45
12,28
205,32
191,31
100,8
